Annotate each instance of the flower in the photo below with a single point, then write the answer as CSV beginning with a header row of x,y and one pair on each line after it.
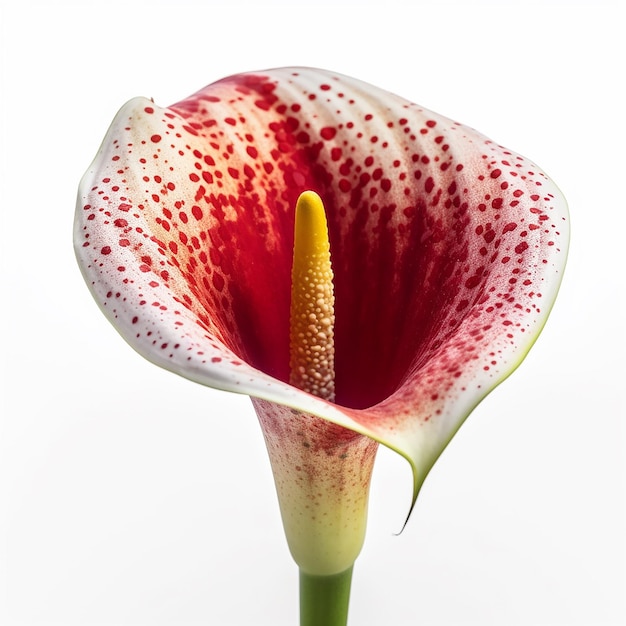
x,y
447,252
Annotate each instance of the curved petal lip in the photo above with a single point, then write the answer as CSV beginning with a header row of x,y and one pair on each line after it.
x,y
161,173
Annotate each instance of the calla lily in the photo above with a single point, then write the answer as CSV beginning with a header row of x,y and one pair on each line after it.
x,y
447,252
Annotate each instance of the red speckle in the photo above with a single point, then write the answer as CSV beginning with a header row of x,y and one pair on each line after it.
x,y
218,281
345,185
328,132
155,138
106,250
335,154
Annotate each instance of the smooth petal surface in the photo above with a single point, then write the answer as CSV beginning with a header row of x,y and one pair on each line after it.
x,y
448,249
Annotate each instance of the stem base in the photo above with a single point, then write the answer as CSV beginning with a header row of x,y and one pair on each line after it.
x,y
324,600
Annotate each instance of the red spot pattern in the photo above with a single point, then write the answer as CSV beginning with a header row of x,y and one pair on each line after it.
x,y
442,241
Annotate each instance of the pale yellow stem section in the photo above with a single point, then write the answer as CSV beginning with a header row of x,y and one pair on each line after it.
x,y
312,349
322,474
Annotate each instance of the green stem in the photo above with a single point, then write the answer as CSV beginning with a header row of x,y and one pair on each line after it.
x,y
324,599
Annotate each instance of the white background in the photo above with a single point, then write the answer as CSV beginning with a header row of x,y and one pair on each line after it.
x,y
132,497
